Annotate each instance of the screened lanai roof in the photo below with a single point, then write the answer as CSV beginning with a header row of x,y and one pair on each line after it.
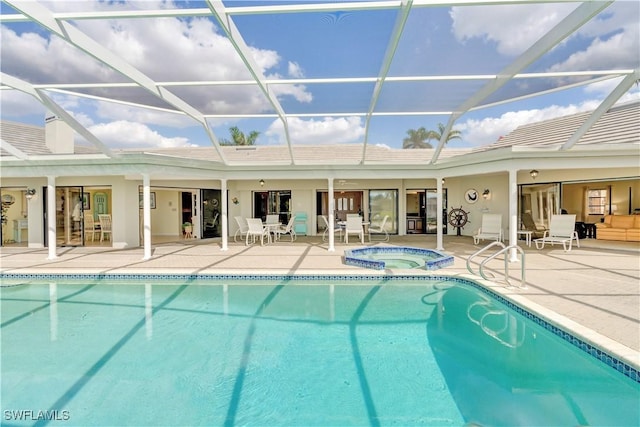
x,y
162,75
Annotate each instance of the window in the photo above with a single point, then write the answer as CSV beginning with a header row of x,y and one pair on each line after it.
x,y
596,201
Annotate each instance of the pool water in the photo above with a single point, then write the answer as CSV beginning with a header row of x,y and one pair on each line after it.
x,y
394,261
294,353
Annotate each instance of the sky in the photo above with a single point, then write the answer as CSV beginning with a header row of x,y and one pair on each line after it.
x,y
436,41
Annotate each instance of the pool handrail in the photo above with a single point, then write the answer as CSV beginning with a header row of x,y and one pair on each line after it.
x,y
523,282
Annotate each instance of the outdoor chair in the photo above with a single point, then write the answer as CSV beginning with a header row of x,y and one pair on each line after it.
x,y
242,228
105,226
380,229
562,229
286,229
255,229
272,219
336,228
90,226
354,226
530,225
491,229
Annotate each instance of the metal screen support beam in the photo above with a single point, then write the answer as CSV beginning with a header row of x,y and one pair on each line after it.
x,y
604,106
80,40
237,41
553,37
45,100
398,28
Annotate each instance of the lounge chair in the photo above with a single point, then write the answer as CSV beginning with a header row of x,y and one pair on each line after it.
x,y
354,226
491,229
562,229
242,228
286,229
380,229
255,229
530,225
336,228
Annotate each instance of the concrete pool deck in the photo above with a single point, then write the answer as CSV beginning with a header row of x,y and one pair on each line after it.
x,y
593,290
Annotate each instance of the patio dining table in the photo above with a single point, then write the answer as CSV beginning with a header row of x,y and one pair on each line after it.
x,y
271,228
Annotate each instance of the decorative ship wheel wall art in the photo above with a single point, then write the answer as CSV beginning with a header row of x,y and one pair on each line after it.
x,y
458,218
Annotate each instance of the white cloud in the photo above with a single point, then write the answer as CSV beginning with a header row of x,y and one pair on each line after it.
x,y
295,70
166,49
125,134
313,132
490,129
513,28
615,52
113,111
17,104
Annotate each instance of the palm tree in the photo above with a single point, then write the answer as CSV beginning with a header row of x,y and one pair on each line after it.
x,y
239,138
417,138
453,134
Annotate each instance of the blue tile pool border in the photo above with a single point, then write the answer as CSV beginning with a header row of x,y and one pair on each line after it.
x,y
357,257
593,351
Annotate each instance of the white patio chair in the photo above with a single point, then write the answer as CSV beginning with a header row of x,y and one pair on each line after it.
x,y
105,226
491,228
255,229
562,229
272,219
380,229
354,226
286,229
336,228
89,226
242,228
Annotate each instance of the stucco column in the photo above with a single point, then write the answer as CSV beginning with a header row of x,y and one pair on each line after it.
x,y
331,216
225,213
513,214
146,214
439,218
51,217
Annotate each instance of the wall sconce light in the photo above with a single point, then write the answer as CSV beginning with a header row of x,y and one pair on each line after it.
x,y
533,173
235,200
486,193
262,183
30,193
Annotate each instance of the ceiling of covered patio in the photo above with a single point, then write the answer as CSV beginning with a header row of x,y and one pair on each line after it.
x,y
160,75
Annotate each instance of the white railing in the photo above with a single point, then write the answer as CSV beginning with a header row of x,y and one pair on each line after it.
x,y
503,250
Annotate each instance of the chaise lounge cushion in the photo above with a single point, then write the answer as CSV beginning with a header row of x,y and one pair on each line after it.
x,y
619,227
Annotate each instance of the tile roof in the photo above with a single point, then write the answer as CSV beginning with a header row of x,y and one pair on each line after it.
x,y
619,125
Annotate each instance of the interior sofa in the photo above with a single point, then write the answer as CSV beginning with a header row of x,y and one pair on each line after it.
x,y
619,227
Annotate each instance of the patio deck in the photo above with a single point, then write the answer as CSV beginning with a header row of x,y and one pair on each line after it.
x,y
593,290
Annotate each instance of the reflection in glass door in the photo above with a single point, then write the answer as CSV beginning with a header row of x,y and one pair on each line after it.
x,y
422,211
69,214
540,201
384,203
431,211
272,202
210,210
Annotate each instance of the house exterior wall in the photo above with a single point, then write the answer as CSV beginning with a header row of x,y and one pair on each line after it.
x,y
165,219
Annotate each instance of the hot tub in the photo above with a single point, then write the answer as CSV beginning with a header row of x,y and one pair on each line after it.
x,y
400,257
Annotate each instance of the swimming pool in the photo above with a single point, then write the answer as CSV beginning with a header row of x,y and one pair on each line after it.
x,y
400,257
321,351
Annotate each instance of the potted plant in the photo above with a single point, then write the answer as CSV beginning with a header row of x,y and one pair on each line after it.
x,y
187,229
